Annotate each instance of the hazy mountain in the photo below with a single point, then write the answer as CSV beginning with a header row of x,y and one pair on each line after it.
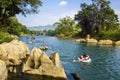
x,y
41,28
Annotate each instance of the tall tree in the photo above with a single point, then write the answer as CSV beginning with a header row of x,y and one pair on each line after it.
x,y
96,17
66,27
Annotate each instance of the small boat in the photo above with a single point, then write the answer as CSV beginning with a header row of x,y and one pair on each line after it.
x,y
83,58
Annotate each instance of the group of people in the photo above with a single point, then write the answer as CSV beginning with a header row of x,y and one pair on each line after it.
x,y
84,57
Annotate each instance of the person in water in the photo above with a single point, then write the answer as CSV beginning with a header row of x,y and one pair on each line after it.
x,y
84,57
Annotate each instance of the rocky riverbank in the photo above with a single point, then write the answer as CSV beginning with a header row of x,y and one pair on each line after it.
x,y
16,62
98,42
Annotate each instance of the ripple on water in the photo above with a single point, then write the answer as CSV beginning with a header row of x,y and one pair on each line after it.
x,y
105,64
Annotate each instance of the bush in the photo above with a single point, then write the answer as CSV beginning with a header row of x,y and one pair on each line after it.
x,y
5,37
113,35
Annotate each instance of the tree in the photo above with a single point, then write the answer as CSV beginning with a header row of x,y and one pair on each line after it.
x,y
15,27
84,18
106,18
96,17
9,8
66,27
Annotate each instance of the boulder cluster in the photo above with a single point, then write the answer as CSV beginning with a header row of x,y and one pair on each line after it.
x,y
37,62
99,42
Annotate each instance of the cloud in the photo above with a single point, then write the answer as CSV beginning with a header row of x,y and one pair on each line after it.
x,y
63,3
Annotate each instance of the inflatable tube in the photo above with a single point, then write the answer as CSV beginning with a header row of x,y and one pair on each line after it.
x,y
81,60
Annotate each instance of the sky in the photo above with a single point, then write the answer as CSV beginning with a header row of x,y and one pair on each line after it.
x,y
53,10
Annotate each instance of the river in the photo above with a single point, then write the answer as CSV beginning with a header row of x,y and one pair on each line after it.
x,y
105,60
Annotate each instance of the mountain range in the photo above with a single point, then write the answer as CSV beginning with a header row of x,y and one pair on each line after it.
x,y
41,28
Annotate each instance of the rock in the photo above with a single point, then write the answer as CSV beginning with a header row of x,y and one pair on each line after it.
x,y
3,70
76,76
23,48
13,53
105,42
14,36
91,40
55,59
87,40
33,61
80,40
88,36
117,43
3,54
44,48
40,64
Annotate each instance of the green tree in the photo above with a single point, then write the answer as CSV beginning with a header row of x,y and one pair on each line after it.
x,y
66,27
51,32
96,17
85,18
15,27
9,8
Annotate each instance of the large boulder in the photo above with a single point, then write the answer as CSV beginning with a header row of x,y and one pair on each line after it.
x,y
80,40
88,36
3,54
40,64
117,43
91,40
105,42
13,53
3,70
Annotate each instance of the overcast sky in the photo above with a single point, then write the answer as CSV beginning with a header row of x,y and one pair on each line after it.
x,y
52,10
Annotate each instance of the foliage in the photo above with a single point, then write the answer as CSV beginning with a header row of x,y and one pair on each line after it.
x,y
33,32
66,28
111,34
8,22
9,8
51,32
96,17
15,28
5,37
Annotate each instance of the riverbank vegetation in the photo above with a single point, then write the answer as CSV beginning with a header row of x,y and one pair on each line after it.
x,y
66,28
97,19
9,25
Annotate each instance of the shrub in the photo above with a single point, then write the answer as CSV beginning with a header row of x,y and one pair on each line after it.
x,y
5,37
113,35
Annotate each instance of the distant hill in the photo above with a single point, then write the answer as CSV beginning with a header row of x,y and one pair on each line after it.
x,y
41,28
